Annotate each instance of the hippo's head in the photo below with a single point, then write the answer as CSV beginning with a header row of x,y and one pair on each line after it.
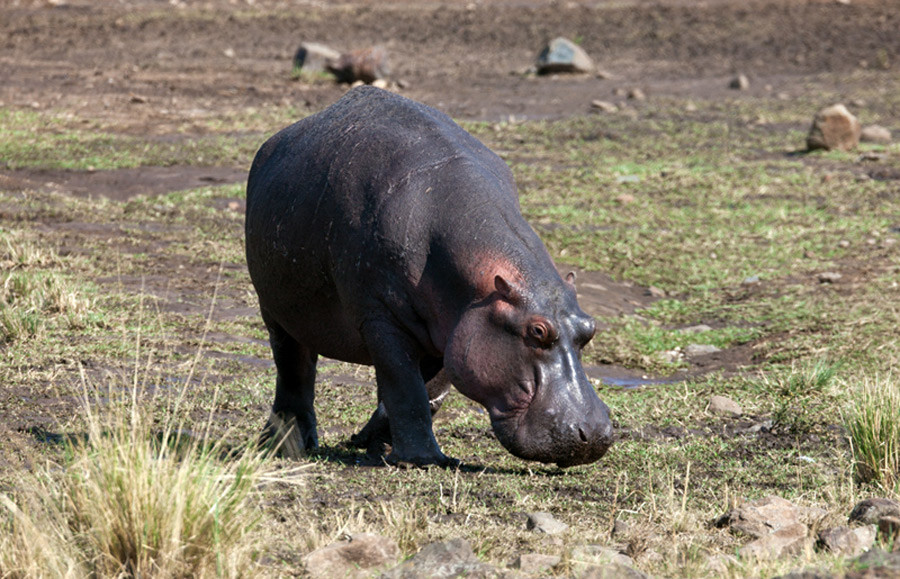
x,y
517,351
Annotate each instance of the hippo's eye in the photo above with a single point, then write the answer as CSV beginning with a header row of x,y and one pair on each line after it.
x,y
542,332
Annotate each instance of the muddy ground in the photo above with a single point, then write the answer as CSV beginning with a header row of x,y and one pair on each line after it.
x,y
128,69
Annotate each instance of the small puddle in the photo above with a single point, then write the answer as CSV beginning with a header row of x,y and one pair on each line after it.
x,y
619,377
631,383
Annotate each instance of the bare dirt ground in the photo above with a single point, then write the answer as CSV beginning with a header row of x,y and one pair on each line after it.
x,y
126,67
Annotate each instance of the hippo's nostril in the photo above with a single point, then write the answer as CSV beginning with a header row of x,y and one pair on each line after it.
x,y
582,435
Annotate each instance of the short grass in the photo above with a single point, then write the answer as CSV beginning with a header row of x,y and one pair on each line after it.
x,y
714,206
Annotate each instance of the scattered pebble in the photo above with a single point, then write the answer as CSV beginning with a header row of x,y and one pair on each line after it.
x,y
829,277
833,128
541,522
693,350
724,405
740,82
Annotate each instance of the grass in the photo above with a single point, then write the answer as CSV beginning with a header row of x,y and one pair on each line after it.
x,y
692,202
873,426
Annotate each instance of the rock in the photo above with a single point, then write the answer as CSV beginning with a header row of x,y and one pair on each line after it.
x,y
868,511
829,277
620,528
535,563
625,198
723,405
720,565
751,280
740,82
833,128
847,542
562,55
874,561
786,540
693,350
875,134
637,94
656,292
761,517
367,65
314,57
449,559
604,106
611,571
541,522
357,557
670,356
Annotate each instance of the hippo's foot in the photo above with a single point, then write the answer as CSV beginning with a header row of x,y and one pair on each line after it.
x,y
284,431
375,436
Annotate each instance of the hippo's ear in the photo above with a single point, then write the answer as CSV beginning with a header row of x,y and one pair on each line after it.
x,y
506,291
570,278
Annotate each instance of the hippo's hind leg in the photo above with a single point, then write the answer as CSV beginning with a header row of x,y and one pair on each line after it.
x,y
292,423
377,432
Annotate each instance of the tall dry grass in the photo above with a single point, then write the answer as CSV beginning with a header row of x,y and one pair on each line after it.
x,y
873,425
134,497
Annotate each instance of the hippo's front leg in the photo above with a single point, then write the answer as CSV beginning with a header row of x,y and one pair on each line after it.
x,y
401,388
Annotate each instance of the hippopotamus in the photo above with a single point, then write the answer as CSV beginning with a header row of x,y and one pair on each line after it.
x,y
380,232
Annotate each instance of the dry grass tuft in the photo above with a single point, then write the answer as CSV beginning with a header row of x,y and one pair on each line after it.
x,y
874,429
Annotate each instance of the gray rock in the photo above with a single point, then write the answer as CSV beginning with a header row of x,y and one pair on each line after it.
x,y
366,65
834,128
541,522
637,94
670,356
692,350
761,517
562,55
604,106
875,134
786,540
829,277
751,280
724,405
848,542
740,82
314,57
356,557
868,511
876,558
611,571
535,563
443,560
599,562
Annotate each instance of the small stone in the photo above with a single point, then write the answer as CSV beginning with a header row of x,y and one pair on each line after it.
x,y
694,350
625,198
751,280
380,83
877,558
366,65
604,106
535,563
875,134
611,571
670,356
761,517
229,53
588,555
620,528
448,559
786,540
637,94
848,542
313,57
740,82
723,405
541,522
833,128
562,55
356,557
829,277
656,292
844,244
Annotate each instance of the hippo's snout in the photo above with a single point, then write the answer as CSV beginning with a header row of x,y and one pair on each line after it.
x,y
589,440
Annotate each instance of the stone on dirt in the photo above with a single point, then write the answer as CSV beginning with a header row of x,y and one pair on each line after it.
x,y
847,542
740,82
536,563
875,134
604,106
314,57
693,350
358,556
452,558
562,55
761,517
786,540
541,522
868,511
829,277
889,530
833,128
725,405
637,94
597,561
876,563
366,65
